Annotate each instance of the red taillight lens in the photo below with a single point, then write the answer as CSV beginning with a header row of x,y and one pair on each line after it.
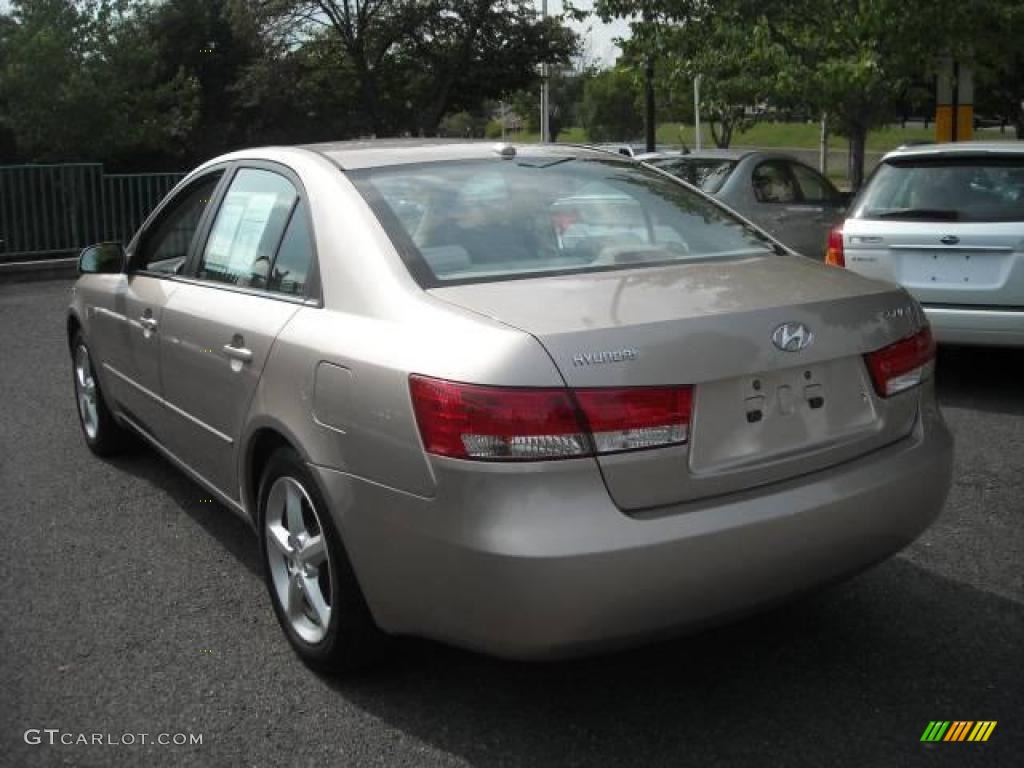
x,y
636,417
902,365
835,255
470,421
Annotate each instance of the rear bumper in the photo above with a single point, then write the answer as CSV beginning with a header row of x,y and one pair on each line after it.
x,y
541,564
974,325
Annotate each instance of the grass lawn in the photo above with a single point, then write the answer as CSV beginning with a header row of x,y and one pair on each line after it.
x,y
798,135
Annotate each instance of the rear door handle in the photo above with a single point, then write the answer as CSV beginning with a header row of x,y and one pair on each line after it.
x,y
238,353
148,322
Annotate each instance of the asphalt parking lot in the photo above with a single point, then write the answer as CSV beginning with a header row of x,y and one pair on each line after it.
x,y
129,604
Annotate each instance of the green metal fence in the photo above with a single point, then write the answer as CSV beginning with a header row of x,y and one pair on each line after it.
x,y
53,210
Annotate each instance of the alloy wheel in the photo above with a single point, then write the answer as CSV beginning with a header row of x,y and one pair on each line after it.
x,y
298,559
85,389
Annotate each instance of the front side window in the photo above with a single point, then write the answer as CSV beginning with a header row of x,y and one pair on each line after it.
x,y
497,219
946,189
164,248
248,229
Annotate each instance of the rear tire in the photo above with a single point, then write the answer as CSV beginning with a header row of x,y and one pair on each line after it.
x,y
104,436
314,590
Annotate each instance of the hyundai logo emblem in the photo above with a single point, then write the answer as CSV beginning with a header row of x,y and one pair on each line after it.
x,y
792,337
950,240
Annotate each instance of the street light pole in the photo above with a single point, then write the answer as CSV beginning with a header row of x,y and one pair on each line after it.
x,y
545,133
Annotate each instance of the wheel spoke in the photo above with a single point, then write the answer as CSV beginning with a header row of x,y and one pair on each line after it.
x,y
295,597
321,611
278,536
293,506
315,551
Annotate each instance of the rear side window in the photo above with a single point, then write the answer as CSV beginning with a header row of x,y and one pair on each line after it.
x,y
945,189
291,269
497,219
248,229
814,188
774,184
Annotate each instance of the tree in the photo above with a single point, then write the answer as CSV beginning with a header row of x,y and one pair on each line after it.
x,y
103,99
417,60
609,110
996,51
566,87
648,22
855,60
728,49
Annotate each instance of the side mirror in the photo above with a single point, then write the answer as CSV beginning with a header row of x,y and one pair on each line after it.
x,y
101,259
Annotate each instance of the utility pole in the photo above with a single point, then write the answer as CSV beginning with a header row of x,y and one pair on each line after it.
x,y
545,133
696,110
823,150
649,121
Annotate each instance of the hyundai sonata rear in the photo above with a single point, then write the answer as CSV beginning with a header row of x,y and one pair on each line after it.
x,y
546,401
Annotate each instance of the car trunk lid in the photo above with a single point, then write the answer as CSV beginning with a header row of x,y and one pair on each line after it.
x,y
710,324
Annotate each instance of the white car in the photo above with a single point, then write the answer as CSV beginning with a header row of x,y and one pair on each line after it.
x,y
946,221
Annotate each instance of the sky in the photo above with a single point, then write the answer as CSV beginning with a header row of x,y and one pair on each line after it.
x,y
597,36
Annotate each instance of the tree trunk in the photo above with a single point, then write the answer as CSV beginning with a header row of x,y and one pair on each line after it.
x,y
371,101
858,141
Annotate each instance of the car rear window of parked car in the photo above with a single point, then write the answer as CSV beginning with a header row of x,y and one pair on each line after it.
x,y
505,218
709,175
946,189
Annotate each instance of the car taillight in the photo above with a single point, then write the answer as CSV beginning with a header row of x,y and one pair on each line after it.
x,y
835,255
472,421
902,365
636,417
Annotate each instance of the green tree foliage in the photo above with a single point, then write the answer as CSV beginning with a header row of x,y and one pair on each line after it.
x,y
417,60
609,109
151,84
994,45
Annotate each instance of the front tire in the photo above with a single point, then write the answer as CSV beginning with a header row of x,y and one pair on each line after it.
x,y
312,586
104,436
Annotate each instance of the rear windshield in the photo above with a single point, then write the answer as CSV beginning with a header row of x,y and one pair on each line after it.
x,y
708,174
946,189
457,222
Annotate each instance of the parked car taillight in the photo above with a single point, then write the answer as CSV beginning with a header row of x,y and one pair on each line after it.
x,y
834,254
902,365
472,421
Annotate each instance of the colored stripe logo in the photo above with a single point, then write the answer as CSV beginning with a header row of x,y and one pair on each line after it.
x,y
958,730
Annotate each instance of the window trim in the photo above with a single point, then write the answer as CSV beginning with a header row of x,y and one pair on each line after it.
x,y
313,295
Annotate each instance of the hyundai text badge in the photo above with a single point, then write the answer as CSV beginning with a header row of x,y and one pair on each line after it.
x,y
792,337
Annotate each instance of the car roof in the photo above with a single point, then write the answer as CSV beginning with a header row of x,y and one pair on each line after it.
x,y
372,153
961,148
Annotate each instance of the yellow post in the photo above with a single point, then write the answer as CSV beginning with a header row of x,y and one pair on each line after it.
x,y
954,101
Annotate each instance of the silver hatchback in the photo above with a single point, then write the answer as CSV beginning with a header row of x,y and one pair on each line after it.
x,y
534,401
946,221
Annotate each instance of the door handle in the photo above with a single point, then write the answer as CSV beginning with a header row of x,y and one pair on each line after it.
x,y
148,322
238,353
